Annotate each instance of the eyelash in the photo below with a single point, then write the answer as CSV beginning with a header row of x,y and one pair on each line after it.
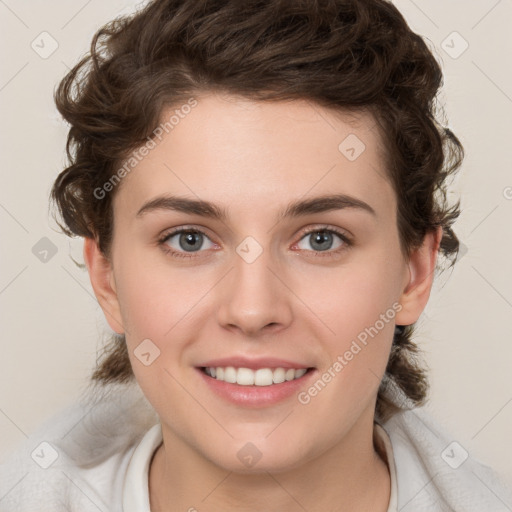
x,y
347,242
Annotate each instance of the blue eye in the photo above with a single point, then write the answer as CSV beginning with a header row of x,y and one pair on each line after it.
x,y
190,242
321,240
187,240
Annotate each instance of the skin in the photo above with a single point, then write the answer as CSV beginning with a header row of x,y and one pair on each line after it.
x,y
294,302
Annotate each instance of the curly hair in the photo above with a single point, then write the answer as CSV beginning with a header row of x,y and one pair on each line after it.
x,y
347,55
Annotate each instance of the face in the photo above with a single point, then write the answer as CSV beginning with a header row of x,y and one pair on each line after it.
x,y
294,264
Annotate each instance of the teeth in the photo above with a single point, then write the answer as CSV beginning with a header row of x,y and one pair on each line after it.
x,y
244,376
263,377
230,374
260,377
279,375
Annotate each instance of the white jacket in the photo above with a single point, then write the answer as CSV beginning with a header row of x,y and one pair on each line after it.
x,y
94,456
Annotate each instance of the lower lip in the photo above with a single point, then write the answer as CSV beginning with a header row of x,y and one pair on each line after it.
x,y
256,396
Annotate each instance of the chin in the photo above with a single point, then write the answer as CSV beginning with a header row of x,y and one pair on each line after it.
x,y
258,456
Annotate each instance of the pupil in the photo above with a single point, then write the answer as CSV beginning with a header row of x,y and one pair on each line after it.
x,y
190,238
319,238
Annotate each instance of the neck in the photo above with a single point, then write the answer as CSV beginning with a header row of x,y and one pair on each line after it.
x,y
351,476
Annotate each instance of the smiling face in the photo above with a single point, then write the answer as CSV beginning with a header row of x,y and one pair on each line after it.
x,y
295,256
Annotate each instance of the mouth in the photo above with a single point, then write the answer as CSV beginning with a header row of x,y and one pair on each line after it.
x,y
255,381
254,377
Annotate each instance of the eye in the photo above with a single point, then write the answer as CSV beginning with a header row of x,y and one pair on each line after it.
x,y
188,242
324,240
185,240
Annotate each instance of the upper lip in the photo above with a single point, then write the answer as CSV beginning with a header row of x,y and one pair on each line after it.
x,y
253,363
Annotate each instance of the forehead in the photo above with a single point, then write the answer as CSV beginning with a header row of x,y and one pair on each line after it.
x,y
253,155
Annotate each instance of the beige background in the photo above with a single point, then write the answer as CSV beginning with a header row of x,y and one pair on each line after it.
x,y
52,324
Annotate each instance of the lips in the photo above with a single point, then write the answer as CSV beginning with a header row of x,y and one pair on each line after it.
x,y
256,382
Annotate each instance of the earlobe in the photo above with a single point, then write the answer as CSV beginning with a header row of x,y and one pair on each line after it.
x,y
103,283
421,269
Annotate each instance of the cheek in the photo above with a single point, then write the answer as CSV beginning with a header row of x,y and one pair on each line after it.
x,y
357,305
154,296
353,297
163,305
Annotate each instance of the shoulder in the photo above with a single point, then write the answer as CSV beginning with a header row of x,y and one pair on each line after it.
x,y
77,459
437,473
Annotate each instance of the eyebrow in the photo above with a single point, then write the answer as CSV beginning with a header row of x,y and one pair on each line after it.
x,y
295,209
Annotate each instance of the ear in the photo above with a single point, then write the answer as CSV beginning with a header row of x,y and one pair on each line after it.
x,y
102,280
416,292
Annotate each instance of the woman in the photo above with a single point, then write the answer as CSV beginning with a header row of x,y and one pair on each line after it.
x,y
261,187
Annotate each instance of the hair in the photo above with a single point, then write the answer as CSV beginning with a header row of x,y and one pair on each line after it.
x,y
346,55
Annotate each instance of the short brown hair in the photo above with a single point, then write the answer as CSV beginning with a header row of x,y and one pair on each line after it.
x,y
347,55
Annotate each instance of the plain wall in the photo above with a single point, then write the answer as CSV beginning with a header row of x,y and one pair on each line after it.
x,y
52,324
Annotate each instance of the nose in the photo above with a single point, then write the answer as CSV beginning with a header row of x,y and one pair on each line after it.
x,y
253,299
